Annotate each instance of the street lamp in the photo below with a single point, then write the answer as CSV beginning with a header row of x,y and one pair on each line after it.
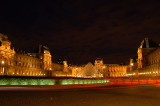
x,y
3,67
2,62
131,69
104,72
76,72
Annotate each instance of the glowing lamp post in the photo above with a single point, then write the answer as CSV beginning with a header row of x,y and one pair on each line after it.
x,y
3,62
131,68
104,72
3,66
131,64
76,72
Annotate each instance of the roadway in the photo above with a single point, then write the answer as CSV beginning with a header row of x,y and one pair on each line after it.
x,y
144,95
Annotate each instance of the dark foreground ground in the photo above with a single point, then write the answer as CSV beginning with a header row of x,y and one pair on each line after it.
x,y
132,96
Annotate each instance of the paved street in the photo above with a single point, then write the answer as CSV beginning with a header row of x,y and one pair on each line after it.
x,y
144,95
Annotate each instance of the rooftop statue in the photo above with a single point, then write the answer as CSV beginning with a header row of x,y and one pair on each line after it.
x,y
3,37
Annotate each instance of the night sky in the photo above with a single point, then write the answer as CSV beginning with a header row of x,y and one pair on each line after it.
x,y
81,30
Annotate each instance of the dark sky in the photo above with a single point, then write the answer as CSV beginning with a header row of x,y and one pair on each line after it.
x,y
81,30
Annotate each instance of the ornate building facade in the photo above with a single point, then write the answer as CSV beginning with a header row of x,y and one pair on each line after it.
x,y
115,70
107,70
148,63
110,70
6,56
75,70
146,47
40,64
24,64
99,65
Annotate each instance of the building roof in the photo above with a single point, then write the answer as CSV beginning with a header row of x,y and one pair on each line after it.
x,y
99,59
148,43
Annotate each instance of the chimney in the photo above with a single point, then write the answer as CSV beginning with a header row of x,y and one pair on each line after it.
x,y
40,48
147,42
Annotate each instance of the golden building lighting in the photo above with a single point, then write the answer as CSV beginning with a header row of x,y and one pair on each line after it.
x,y
40,64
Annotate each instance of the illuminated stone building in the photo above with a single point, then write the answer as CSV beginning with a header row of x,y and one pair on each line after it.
x,y
65,69
110,70
24,64
75,70
152,65
59,70
115,70
146,47
27,66
133,65
107,70
154,57
40,64
57,67
44,56
99,65
6,56
148,63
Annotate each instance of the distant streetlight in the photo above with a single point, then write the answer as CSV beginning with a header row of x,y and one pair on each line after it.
x,y
76,72
3,67
2,62
132,64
